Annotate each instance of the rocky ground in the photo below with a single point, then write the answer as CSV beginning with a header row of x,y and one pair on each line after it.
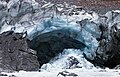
x,y
99,6
15,55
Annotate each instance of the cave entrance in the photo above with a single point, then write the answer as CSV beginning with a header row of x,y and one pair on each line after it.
x,y
50,44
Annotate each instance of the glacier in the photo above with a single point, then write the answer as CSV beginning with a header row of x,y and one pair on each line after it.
x,y
36,19
41,23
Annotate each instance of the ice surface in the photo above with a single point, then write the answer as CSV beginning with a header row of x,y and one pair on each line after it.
x,y
43,22
80,72
48,20
63,62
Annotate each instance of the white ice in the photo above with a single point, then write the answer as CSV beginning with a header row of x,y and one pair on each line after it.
x,y
47,22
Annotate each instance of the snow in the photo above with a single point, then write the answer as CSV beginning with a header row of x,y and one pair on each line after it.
x,y
63,61
45,22
5,28
49,4
11,2
57,22
79,72
3,3
60,9
118,11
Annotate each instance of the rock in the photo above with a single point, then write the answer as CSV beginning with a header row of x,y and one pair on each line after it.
x,y
113,50
15,54
72,62
12,76
108,51
66,73
3,74
50,44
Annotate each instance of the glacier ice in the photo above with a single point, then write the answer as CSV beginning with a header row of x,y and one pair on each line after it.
x,y
36,19
45,19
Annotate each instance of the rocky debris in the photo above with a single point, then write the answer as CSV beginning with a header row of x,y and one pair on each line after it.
x,y
72,62
108,53
113,51
3,74
66,73
15,54
99,6
12,76
50,44
109,46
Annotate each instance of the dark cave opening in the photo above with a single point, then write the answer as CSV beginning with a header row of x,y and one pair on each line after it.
x,y
50,44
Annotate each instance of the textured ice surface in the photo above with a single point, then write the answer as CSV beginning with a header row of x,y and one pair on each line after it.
x,y
48,20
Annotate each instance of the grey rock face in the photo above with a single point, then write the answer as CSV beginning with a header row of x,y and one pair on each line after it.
x,y
108,51
48,45
113,50
110,45
15,54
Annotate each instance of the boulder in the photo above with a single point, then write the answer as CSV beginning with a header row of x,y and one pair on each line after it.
x,y
15,54
50,44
